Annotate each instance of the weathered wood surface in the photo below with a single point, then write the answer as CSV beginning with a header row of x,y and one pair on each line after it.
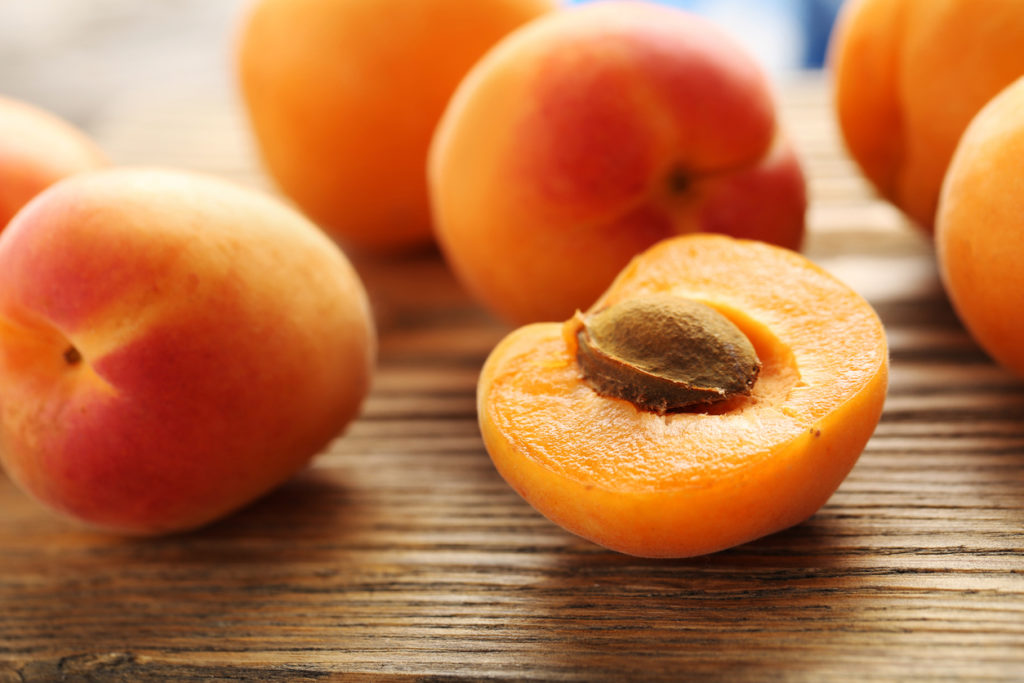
x,y
402,554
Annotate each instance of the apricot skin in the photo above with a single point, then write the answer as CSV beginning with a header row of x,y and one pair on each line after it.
x,y
37,149
694,483
909,75
171,347
343,97
980,228
592,133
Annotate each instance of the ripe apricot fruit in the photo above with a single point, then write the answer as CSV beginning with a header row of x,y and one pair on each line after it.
x,y
37,149
343,97
980,228
171,347
909,75
676,481
588,135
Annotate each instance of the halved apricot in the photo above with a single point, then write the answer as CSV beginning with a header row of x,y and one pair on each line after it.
x,y
710,476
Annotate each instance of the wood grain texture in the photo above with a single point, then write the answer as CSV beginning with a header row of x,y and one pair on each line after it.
x,y
402,555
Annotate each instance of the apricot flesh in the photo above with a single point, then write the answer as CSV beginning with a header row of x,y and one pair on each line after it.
x,y
343,97
980,228
692,483
909,75
588,135
172,346
37,148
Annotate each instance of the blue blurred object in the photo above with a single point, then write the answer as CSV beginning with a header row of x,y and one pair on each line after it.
x,y
819,17
785,35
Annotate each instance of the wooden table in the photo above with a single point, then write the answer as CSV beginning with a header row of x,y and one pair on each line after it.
x,y
402,554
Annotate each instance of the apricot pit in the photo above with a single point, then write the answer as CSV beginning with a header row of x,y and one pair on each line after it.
x,y
664,353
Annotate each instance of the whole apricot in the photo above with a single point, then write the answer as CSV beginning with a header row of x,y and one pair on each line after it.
x,y
909,75
343,97
588,135
625,454
980,228
172,346
37,148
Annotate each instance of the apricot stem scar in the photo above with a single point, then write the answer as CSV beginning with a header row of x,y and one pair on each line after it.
x,y
72,356
665,353
678,181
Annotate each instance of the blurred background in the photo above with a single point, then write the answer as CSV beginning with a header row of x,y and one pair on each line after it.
x,y
76,56
785,35
80,57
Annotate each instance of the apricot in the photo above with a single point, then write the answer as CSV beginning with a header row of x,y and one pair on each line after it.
x,y
590,134
172,346
343,97
909,75
38,148
690,481
980,228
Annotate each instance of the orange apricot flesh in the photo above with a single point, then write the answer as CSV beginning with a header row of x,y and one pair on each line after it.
x,y
692,483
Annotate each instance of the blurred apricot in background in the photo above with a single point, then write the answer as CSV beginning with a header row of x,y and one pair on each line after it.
x,y
343,97
909,75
